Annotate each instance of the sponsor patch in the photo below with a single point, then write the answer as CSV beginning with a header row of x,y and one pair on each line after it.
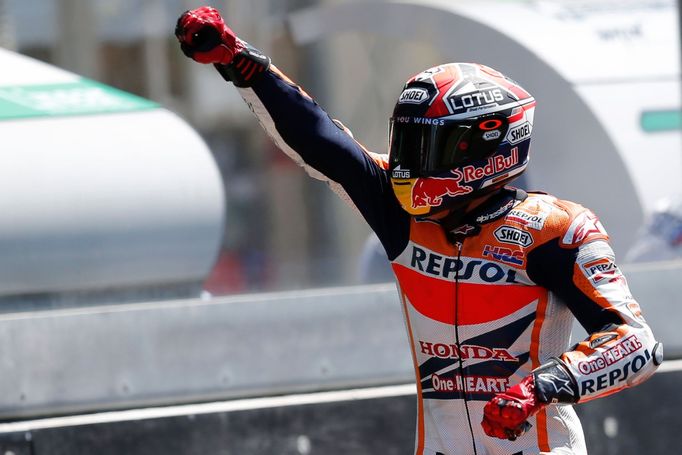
x,y
584,226
398,173
491,135
465,352
463,269
496,164
414,95
519,133
464,229
420,120
611,355
502,254
513,236
558,384
530,217
469,384
615,376
430,191
496,214
475,100
601,270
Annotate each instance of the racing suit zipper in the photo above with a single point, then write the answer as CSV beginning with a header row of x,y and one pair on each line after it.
x,y
459,245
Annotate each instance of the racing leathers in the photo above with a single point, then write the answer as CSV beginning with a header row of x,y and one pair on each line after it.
x,y
487,302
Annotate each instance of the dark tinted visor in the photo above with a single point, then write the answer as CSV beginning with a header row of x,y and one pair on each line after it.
x,y
434,148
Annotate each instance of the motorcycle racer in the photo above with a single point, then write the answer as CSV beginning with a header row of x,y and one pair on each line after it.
x,y
490,277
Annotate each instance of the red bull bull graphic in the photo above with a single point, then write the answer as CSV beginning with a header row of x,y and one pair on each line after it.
x,y
430,191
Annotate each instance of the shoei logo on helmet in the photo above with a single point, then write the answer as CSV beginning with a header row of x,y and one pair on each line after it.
x,y
415,95
519,133
475,100
491,135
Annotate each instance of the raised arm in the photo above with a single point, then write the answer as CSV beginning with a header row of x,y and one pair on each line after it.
x,y
297,124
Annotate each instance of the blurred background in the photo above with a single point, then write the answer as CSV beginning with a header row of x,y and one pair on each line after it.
x,y
283,230
151,228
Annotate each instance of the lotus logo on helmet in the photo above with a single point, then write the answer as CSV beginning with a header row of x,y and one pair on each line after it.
x,y
414,96
399,173
472,101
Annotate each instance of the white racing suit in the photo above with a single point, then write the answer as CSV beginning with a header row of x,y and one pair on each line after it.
x,y
486,307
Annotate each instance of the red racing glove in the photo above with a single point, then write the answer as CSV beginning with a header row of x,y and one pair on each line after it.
x,y
506,415
205,38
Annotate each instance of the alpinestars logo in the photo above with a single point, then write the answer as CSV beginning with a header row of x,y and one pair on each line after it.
x,y
559,384
583,226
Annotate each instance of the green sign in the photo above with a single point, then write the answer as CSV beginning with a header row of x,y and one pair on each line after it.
x,y
81,97
658,121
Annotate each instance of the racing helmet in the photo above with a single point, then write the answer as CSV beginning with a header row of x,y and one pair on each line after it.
x,y
458,131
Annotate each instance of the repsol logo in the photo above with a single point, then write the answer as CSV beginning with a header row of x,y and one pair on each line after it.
x,y
465,352
513,236
534,221
615,376
519,133
449,267
413,96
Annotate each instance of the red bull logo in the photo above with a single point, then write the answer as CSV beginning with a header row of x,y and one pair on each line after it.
x,y
429,192
496,164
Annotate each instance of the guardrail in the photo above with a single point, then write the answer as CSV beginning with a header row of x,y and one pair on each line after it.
x,y
97,358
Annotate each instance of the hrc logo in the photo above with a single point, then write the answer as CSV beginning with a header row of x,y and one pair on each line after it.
x,y
506,255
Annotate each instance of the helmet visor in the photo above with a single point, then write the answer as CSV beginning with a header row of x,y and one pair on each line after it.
x,y
433,148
